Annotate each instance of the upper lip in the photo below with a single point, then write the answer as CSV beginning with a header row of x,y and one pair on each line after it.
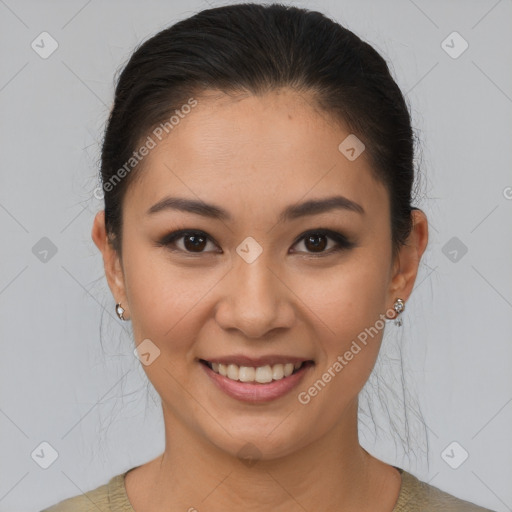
x,y
270,360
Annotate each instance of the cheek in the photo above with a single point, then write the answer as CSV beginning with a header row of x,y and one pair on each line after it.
x,y
165,299
346,297
165,305
349,346
346,306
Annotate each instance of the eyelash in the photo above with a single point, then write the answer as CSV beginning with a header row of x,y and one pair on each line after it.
x,y
342,243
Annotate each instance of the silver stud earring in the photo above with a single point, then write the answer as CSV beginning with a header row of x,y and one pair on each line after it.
x,y
120,311
398,306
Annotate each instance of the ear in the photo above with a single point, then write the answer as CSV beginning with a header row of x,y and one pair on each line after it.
x,y
111,261
407,261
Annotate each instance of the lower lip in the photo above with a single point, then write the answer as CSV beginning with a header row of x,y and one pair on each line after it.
x,y
254,391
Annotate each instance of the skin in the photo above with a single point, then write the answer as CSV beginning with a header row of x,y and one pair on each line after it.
x,y
255,155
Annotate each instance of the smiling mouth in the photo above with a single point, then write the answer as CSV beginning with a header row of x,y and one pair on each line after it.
x,y
260,374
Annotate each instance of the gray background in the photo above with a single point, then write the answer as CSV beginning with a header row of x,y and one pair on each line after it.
x,y
69,377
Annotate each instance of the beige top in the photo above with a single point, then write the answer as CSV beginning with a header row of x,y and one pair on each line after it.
x,y
415,496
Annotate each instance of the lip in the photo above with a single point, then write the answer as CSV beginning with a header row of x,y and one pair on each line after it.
x,y
255,392
243,360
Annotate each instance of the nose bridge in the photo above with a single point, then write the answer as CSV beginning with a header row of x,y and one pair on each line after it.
x,y
255,300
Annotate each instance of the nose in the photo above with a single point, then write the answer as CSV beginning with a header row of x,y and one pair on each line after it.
x,y
255,300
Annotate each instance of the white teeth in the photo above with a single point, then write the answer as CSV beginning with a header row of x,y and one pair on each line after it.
x,y
261,374
246,374
223,369
277,372
288,369
233,372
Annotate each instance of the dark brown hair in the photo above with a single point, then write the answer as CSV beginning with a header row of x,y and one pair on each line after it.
x,y
252,48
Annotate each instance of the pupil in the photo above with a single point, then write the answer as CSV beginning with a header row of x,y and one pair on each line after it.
x,y
316,245
198,242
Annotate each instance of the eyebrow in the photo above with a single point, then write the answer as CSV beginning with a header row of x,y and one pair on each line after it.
x,y
292,212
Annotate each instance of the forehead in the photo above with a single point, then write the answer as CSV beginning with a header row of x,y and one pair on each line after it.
x,y
248,151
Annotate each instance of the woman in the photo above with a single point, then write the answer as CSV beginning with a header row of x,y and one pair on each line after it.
x,y
258,233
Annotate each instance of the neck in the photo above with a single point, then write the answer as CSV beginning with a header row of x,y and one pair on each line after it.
x,y
331,473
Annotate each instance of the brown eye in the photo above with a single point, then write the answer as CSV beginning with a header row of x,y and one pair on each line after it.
x,y
194,243
187,241
315,243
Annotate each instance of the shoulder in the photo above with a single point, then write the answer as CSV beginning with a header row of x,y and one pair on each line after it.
x,y
418,496
110,497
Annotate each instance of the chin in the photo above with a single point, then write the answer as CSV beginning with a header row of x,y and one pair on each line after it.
x,y
263,442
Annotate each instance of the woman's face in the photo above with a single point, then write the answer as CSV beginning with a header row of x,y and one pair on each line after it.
x,y
250,284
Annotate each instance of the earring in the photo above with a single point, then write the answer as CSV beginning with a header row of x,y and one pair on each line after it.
x,y
399,306
120,311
